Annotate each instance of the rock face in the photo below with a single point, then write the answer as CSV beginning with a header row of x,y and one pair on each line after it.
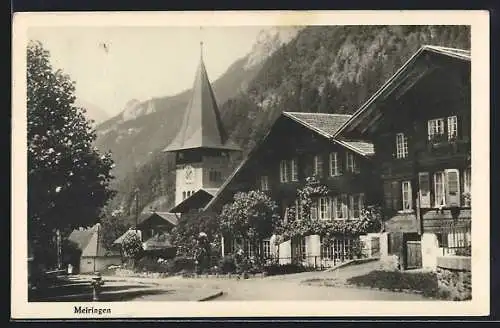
x,y
454,278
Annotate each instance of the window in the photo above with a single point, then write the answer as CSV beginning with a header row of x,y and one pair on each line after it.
x,y
435,128
303,247
452,127
183,195
266,249
452,187
439,195
324,208
352,165
401,146
467,186
334,164
314,209
294,169
318,166
424,189
341,207
283,171
357,203
249,249
326,250
264,183
407,195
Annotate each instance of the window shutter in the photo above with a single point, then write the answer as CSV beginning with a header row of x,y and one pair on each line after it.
x,y
396,195
351,207
452,188
424,189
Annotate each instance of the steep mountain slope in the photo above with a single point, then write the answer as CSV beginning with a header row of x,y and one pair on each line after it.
x,y
322,69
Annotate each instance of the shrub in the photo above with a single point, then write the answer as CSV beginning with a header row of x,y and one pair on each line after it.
x,y
181,263
150,264
227,264
277,269
426,283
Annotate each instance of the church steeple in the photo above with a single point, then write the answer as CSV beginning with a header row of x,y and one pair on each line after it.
x,y
202,126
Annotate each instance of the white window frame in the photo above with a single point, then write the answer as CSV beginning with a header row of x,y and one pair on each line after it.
x,y
452,127
249,248
357,203
406,196
467,184
324,208
352,164
283,171
435,127
457,195
266,248
439,200
341,207
318,166
401,145
334,164
425,200
326,251
264,183
294,169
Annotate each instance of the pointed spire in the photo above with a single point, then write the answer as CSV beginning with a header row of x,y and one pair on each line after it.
x,y
202,124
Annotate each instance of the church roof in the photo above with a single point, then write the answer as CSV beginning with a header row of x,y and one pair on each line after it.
x,y
202,124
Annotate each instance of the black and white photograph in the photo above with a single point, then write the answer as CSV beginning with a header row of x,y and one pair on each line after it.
x,y
189,160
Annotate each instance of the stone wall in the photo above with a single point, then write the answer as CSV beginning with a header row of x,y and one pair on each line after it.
x,y
454,277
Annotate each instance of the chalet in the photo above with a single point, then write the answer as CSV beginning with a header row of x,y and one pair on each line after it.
x,y
154,230
299,146
93,256
420,124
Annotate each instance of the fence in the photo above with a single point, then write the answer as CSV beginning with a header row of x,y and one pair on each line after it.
x,y
456,239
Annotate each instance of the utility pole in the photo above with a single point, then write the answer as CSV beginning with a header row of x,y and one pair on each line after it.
x,y
136,191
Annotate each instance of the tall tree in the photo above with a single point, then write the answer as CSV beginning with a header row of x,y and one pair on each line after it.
x,y
68,179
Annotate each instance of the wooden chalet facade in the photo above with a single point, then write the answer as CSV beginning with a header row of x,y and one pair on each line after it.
x,y
420,124
298,146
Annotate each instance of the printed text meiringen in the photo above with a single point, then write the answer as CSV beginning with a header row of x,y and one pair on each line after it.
x,y
91,310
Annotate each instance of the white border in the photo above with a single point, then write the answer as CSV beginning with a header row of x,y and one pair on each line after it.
x,y
479,21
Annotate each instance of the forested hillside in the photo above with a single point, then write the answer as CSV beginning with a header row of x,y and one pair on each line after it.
x,y
330,69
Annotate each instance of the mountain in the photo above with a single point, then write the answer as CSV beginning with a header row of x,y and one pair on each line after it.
x,y
93,112
331,69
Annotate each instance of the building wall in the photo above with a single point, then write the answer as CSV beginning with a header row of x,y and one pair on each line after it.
x,y
101,263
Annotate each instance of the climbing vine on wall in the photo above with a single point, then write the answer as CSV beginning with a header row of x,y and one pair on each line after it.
x,y
303,225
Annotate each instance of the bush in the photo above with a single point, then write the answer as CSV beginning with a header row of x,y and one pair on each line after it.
x,y
426,283
181,263
277,269
227,264
149,264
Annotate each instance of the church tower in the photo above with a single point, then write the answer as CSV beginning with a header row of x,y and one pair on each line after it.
x,y
203,151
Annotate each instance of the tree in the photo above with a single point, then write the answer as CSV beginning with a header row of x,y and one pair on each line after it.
x,y
132,246
251,216
185,234
113,227
68,179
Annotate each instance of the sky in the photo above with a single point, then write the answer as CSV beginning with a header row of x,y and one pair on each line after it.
x,y
140,62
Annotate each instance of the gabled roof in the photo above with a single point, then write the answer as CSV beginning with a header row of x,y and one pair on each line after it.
x,y
398,79
89,243
202,124
322,123
327,125
195,201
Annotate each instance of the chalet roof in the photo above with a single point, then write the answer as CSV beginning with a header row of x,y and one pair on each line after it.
x,y
169,217
202,124
321,123
88,241
398,81
327,125
197,200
